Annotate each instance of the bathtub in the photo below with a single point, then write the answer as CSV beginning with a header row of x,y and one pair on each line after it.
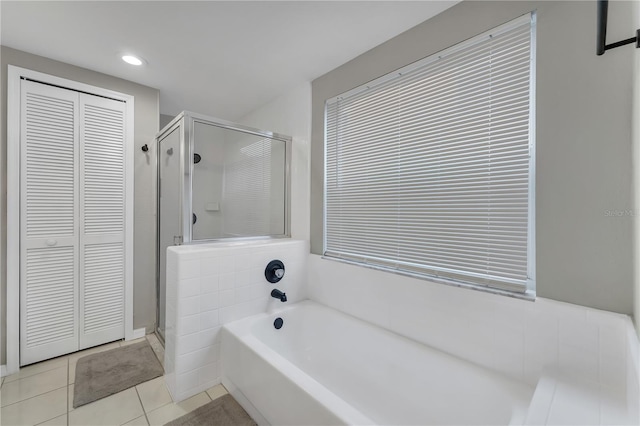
x,y
325,367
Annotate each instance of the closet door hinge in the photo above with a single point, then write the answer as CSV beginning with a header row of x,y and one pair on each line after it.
x,y
177,240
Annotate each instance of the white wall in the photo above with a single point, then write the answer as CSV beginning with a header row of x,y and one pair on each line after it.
x,y
165,119
290,114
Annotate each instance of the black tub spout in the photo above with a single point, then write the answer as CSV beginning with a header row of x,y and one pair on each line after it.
x,y
277,294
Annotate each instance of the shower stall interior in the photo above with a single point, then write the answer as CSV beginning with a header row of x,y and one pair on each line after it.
x,y
218,180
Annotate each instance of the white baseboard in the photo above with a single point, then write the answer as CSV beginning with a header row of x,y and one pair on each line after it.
x,y
138,333
3,370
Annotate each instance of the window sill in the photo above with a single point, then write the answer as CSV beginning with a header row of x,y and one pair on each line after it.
x,y
527,295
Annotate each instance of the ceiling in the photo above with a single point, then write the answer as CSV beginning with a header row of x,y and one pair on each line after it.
x,y
220,58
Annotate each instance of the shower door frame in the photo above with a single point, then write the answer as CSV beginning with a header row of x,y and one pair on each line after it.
x,y
176,124
187,120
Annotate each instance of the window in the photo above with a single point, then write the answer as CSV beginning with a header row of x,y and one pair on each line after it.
x,y
429,170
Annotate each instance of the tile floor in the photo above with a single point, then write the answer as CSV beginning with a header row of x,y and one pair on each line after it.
x,y
42,394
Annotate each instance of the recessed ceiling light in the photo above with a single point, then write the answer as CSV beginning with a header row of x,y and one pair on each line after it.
x,y
132,60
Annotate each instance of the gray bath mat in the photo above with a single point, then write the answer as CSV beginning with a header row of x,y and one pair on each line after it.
x,y
106,373
221,411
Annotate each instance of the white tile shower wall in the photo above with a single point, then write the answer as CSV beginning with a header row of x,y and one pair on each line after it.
x,y
210,285
516,337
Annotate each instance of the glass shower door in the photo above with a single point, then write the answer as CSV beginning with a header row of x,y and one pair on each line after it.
x,y
238,184
169,210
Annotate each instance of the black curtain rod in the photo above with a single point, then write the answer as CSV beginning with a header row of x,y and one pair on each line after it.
x,y
601,42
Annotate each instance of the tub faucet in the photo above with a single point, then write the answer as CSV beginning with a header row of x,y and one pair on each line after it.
x,y
277,294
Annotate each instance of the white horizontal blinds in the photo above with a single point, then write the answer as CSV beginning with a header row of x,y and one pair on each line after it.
x,y
429,171
49,197
102,213
362,181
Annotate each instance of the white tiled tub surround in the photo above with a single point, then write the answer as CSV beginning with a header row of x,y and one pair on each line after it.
x,y
521,339
209,285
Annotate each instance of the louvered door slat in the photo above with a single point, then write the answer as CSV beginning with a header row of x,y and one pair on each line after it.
x,y
49,237
102,220
103,291
50,319
103,144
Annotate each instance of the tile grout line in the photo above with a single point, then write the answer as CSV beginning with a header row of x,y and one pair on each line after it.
x,y
66,386
144,411
66,400
30,375
35,396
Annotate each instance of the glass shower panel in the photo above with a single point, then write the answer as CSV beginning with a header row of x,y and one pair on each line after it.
x,y
169,200
238,184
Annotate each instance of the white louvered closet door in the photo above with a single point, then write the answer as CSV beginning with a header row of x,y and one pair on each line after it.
x,y
102,220
49,225
72,228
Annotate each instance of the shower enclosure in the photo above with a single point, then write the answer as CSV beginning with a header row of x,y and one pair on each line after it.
x,y
218,180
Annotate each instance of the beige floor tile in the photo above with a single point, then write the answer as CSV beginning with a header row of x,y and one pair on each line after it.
x,y
217,391
157,347
152,338
194,402
47,406
34,385
40,367
172,411
72,371
113,410
131,342
58,421
153,394
77,355
139,421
